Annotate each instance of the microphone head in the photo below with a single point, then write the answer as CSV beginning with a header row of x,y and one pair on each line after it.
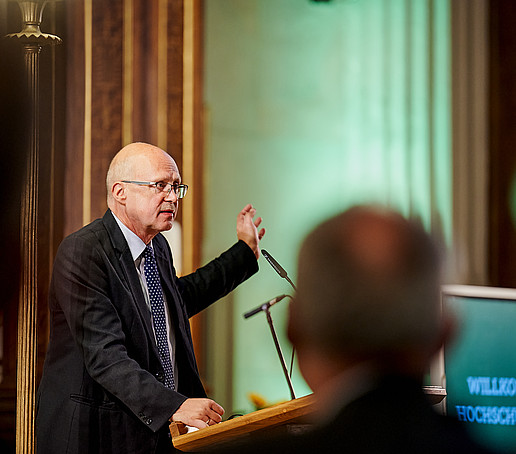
x,y
277,267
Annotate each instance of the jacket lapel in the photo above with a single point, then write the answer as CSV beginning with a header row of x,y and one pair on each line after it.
x,y
130,275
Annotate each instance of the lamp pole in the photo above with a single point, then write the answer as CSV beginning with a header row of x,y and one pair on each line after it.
x,y
32,40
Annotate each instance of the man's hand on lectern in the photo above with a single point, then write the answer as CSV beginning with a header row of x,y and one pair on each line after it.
x,y
199,413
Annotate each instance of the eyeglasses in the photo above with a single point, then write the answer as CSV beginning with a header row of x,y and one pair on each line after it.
x,y
162,187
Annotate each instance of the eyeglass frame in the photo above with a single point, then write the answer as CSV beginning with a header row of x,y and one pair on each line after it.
x,y
177,188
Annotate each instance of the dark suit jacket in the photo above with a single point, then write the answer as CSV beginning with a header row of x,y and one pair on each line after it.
x,y
102,386
393,418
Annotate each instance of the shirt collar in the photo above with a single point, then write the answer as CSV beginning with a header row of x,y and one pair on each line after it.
x,y
136,245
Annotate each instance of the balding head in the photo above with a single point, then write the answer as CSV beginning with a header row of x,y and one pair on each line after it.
x,y
129,162
368,284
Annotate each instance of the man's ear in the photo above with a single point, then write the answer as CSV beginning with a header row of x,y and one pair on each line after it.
x,y
118,193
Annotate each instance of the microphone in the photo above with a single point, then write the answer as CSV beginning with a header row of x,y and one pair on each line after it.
x,y
263,307
277,267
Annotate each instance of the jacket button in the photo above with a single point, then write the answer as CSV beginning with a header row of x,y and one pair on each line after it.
x,y
160,376
149,421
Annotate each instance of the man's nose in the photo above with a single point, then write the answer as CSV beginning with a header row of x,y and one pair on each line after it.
x,y
171,196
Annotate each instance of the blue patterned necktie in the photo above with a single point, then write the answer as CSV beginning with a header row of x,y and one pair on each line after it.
x,y
158,313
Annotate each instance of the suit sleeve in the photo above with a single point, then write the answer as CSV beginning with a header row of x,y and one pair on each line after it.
x,y
219,277
83,288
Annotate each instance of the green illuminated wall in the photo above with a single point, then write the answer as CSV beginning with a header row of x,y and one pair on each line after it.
x,y
310,108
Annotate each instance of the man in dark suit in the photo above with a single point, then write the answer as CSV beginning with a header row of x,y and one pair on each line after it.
x,y
365,322
120,361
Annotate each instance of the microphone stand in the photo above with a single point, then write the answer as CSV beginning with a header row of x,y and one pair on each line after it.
x,y
280,354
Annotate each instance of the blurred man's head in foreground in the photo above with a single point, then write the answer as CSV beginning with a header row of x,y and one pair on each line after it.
x,y
368,290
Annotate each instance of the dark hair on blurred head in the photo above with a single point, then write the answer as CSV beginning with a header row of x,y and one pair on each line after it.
x,y
368,281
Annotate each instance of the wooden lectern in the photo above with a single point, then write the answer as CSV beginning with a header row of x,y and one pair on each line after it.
x,y
293,412
289,414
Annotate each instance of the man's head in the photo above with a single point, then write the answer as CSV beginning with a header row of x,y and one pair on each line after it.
x,y
368,290
143,208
